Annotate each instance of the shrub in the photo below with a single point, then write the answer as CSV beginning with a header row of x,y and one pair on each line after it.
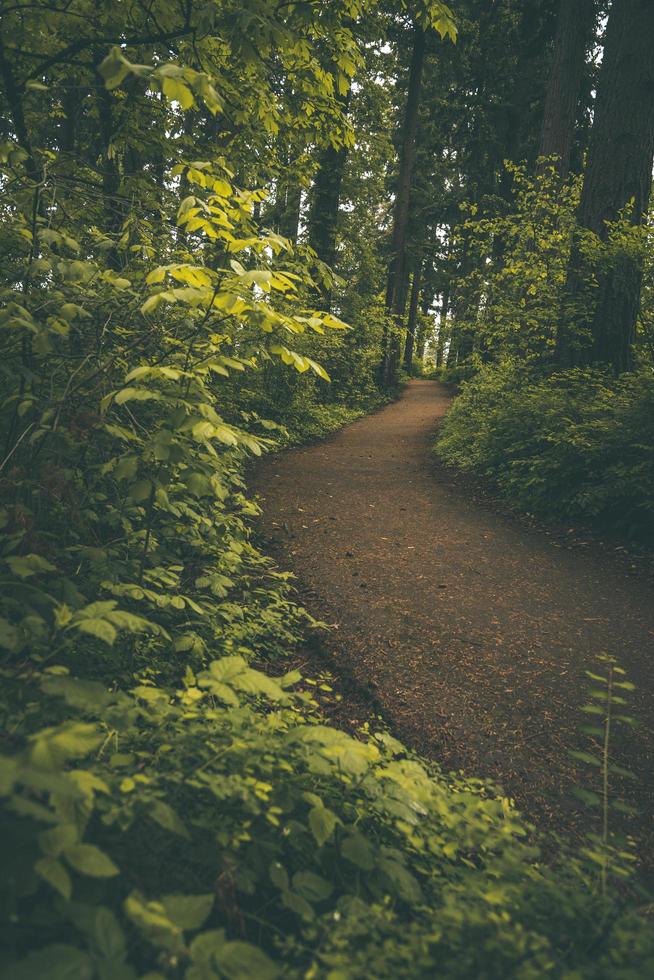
x,y
577,445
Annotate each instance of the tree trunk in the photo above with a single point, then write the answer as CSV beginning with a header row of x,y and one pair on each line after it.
x,y
409,341
395,291
112,206
442,326
574,25
289,222
323,214
618,175
284,216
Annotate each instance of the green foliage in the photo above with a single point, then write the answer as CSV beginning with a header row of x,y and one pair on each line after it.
x,y
510,297
173,806
574,445
606,712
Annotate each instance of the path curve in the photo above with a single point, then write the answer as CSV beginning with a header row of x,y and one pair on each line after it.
x,y
472,629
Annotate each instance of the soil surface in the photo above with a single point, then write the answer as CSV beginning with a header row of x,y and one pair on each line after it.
x,y
469,628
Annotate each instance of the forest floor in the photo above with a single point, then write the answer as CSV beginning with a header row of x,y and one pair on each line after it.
x,y
467,626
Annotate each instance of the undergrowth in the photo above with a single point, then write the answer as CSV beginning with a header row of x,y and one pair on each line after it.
x,y
575,445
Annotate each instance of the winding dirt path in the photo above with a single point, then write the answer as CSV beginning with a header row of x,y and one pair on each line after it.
x,y
471,628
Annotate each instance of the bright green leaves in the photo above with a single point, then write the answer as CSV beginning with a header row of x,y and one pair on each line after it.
x,y
181,272
52,747
440,18
231,677
176,90
152,921
298,361
25,566
103,620
181,85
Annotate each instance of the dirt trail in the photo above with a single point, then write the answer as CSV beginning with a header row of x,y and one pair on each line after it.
x,y
471,628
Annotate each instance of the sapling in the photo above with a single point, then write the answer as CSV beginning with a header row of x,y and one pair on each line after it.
x,y
607,707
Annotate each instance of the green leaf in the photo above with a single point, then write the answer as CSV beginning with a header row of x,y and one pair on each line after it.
x,y
90,860
156,276
10,636
586,796
322,823
586,757
8,774
140,490
100,628
151,919
623,807
55,962
115,68
188,911
403,882
242,961
108,935
163,814
176,91
54,841
53,871
357,850
136,394
71,740
26,565
311,886
279,876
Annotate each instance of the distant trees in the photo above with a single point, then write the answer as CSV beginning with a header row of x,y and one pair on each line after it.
x,y
396,286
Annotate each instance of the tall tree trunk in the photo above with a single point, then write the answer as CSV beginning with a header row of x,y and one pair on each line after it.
x,y
442,325
323,213
409,341
425,306
618,176
572,39
395,291
284,215
289,222
112,206
323,216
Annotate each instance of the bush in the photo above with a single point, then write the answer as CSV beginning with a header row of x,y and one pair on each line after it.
x,y
579,444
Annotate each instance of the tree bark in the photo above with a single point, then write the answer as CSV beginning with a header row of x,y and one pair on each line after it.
x,y
395,291
442,325
618,176
573,30
410,338
323,215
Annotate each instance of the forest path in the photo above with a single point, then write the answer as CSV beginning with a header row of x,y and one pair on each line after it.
x,y
471,628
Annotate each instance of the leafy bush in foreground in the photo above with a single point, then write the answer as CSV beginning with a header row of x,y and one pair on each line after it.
x,y
575,445
219,830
